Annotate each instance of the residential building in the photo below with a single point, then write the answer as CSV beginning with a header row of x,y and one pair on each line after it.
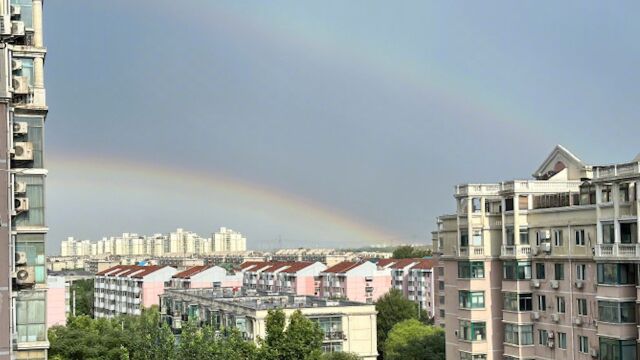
x,y
356,281
205,276
233,258
348,326
543,268
227,240
58,300
297,277
126,289
95,266
23,109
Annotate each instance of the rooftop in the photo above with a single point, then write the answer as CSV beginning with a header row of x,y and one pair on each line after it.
x,y
186,274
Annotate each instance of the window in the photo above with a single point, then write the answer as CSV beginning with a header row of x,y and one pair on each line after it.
x,y
557,238
35,134
616,312
561,305
542,302
475,205
25,70
628,233
608,236
540,271
471,299
559,271
518,334
472,331
510,237
524,235
26,12
518,302
581,272
580,237
616,274
470,269
464,237
582,307
33,246
562,340
517,270
477,238
30,316
543,337
468,356
583,344
616,349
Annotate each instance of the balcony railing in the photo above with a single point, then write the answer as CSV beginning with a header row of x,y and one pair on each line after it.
x,y
618,250
616,170
464,251
516,250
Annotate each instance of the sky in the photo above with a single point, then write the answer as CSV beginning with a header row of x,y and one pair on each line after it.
x,y
320,124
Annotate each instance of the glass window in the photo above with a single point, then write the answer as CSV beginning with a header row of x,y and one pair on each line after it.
x,y
558,240
472,331
477,238
540,271
470,269
30,316
33,246
561,305
26,12
518,302
517,270
518,334
616,274
616,312
510,237
581,271
562,340
35,135
613,349
608,236
524,235
580,237
34,216
542,302
471,299
582,307
543,337
25,69
475,205
583,344
559,271
469,356
464,237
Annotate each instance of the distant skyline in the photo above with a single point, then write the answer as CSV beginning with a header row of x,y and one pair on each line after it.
x,y
327,123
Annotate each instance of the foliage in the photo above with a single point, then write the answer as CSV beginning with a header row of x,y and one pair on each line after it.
x,y
410,252
340,356
83,290
392,308
302,339
412,340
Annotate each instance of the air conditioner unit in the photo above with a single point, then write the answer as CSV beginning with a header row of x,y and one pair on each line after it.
x,y
16,65
577,321
545,234
554,284
17,28
555,317
20,128
15,10
20,187
550,335
20,85
21,258
550,344
535,283
579,284
593,353
21,204
546,247
535,250
23,151
535,315
25,275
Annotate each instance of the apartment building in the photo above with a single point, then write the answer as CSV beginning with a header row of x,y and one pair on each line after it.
x,y
205,276
348,326
329,257
126,289
544,268
297,277
58,300
356,281
227,240
23,109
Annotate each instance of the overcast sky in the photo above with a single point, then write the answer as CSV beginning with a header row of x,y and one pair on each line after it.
x,y
332,123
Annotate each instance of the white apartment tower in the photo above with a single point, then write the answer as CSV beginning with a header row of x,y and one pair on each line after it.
x,y
227,240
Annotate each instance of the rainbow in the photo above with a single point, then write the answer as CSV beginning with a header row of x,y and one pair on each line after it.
x,y
73,168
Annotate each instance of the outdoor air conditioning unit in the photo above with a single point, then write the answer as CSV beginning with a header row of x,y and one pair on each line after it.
x,y
535,283
535,315
554,284
16,65
546,247
21,204
23,151
535,250
20,85
577,321
555,318
579,284
20,128
25,275
21,258
550,343
15,10
545,234
17,28
20,187
593,353
550,335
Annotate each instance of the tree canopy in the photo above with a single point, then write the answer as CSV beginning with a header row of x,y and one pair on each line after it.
x,y
392,308
409,252
83,292
412,340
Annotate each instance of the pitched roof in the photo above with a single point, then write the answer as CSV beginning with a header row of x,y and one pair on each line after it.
x,y
385,262
135,271
402,263
186,274
342,267
425,264
296,266
274,266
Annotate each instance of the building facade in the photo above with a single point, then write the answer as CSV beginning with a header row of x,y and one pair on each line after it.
x,y
227,240
205,276
356,281
543,268
348,326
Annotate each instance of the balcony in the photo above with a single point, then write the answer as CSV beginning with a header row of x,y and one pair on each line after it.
x,y
471,251
624,251
616,170
516,251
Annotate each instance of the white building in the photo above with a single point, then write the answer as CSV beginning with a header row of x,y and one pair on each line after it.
x,y
228,240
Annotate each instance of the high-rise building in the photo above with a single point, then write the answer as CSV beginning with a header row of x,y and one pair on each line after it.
x,y
228,240
545,268
22,174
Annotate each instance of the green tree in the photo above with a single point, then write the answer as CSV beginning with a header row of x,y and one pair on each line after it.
x,y
412,340
340,356
392,308
83,292
409,252
301,339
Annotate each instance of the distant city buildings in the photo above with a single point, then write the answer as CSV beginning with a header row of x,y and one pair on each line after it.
x,y
227,240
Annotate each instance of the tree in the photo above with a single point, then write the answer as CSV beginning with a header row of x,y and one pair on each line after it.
x,y
340,356
409,252
83,292
412,340
392,308
302,339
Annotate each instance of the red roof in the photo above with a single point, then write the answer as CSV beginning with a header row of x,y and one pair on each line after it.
x,y
128,270
402,263
385,262
342,267
249,264
296,266
277,266
186,274
425,264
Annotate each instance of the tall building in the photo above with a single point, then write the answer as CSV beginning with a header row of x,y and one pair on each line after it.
x,y
22,223
228,240
543,268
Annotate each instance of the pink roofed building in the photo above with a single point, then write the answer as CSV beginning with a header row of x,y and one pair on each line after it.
x,y
296,277
205,276
126,289
356,281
